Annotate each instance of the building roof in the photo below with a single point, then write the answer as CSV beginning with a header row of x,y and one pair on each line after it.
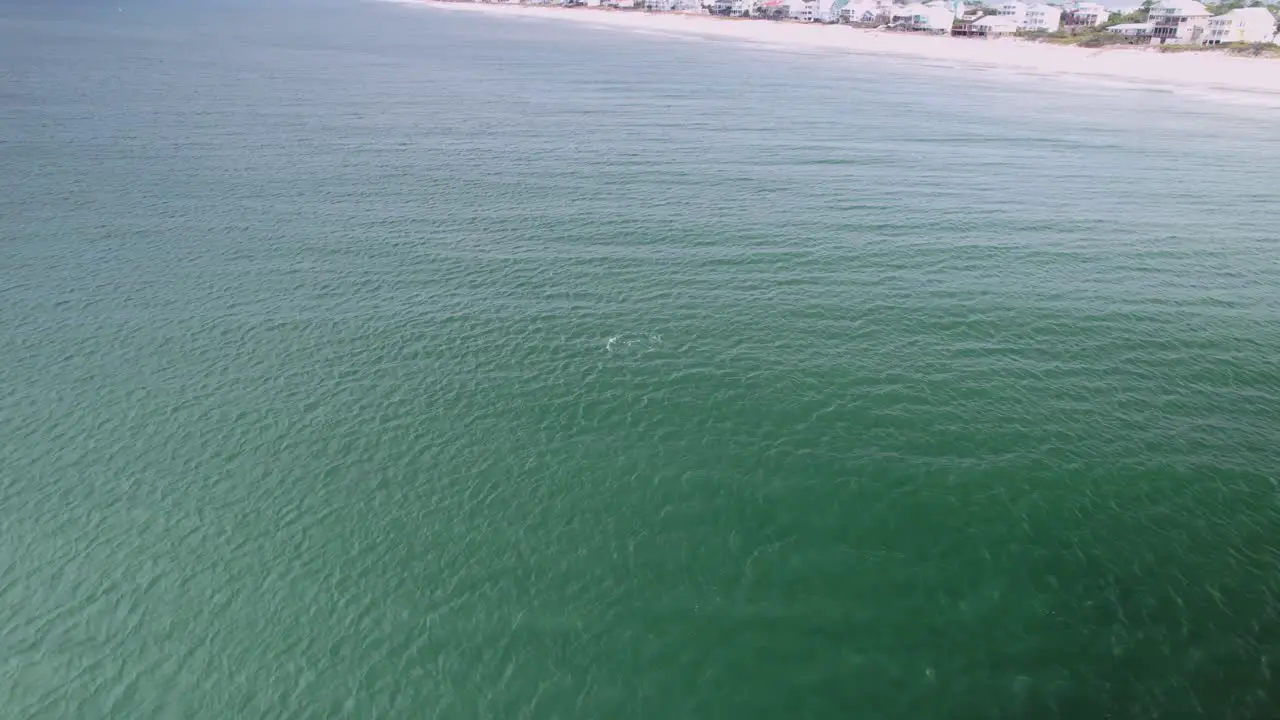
x,y
1253,14
1129,26
996,22
1180,7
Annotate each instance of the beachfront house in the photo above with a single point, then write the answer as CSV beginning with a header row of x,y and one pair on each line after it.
x,y
1085,15
772,9
905,15
922,18
1042,18
939,19
800,9
989,27
675,5
1136,32
827,11
1014,10
1178,22
865,12
742,8
1242,25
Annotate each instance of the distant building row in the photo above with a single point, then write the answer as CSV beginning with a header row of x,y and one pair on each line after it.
x,y
1186,22
935,15
1013,17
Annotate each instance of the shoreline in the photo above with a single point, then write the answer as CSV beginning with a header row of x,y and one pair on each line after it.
x,y
1209,72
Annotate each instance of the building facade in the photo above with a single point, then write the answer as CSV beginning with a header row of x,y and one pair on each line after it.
x,y
829,11
1136,32
1015,11
1085,15
866,12
802,10
1244,25
1043,18
989,27
917,16
1178,22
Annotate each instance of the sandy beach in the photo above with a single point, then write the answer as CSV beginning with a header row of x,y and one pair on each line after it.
x,y
1193,73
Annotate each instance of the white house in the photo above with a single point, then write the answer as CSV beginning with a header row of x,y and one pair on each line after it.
x,y
1178,22
1085,14
865,12
992,26
938,19
922,17
1131,30
1244,25
742,7
906,14
1015,10
827,11
800,9
1043,18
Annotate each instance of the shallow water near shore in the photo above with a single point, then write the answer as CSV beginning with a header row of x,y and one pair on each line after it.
x,y
362,360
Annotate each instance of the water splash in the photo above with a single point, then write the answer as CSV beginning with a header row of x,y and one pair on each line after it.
x,y
632,343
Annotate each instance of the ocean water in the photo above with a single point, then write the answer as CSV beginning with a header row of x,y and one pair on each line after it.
x,y
363,360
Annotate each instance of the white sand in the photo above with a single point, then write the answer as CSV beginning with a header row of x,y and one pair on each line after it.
x,y
1200,71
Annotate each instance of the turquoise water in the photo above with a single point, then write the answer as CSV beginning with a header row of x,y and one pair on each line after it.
x,y
359,360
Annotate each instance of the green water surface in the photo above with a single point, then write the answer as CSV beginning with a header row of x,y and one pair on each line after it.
x,y
359,360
